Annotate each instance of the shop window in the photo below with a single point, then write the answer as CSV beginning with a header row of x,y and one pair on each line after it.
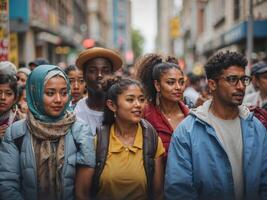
x,y
236,9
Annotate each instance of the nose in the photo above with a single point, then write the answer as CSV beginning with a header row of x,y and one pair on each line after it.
x,y
240,85
2,95
58,98
99,75
75,86
178,86
137,103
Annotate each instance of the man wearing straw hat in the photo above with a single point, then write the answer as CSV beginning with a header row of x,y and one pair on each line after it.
x,y
96,63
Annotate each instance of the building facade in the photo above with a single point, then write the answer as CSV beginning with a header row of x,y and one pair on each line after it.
x,y
53,29
212,25
165,12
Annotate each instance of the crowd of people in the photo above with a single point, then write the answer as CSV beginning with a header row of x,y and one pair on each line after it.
x,y
91,131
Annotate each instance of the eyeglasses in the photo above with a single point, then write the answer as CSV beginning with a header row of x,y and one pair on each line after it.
x,y
233,80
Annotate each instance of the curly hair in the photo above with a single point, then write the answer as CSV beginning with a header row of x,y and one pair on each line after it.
x,y
144,66
115,86
150,67
223,60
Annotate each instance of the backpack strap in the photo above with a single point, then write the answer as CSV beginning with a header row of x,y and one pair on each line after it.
x,y
101,155
150,145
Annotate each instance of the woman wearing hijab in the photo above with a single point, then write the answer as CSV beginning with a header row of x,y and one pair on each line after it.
x,y
43,156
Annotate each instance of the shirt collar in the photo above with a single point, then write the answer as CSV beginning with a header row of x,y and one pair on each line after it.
x,y
117,146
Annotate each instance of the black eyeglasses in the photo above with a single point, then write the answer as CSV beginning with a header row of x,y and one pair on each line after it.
x,y
233,80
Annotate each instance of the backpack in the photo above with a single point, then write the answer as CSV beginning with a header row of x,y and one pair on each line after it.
x,y
150,145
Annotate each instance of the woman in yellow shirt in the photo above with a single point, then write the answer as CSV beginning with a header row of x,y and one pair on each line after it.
x,y
129,151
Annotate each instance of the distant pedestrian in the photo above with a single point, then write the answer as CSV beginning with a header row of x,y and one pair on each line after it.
x,y
220,150
258,98
38,61
8,96
22,75
77,84
96,63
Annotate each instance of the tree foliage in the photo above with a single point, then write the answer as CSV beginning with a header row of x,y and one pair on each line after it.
x,y
137,43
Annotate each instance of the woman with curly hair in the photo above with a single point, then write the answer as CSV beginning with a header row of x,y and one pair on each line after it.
x,y
164,85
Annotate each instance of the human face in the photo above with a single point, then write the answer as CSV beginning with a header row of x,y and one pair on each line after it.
x,y
96,70
77,84
22,103
55,96
21,78
129,107
226,93
7,98
261,83
171,85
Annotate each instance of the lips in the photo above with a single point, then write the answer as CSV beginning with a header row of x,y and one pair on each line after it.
x,y
2,105
239,96
137,113
76,94
178,95
57,108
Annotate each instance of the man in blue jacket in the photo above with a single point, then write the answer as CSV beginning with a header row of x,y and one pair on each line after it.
x,y
220,150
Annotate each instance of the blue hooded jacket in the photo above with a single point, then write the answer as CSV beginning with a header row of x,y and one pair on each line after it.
x,y
18,173
199,168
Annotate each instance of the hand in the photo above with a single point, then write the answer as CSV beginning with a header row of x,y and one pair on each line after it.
x,y
3,130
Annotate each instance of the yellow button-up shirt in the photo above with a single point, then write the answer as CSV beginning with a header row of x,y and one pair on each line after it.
x,y
124,175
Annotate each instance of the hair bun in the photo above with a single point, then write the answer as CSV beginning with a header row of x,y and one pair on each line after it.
x,y
110,80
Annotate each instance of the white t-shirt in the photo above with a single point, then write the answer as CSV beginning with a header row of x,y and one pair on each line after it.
x,y
92,117
230,135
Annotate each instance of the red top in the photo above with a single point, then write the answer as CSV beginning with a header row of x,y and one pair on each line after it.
x,y
161,124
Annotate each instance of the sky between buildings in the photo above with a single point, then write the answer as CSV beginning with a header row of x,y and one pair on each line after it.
x,y
144,18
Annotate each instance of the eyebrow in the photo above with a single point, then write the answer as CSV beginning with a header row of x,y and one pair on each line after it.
x,y
132,95
55,89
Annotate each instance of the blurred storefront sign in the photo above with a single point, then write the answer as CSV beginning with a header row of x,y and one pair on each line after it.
x,y
237,34
62,50
13,49
175,30
48,37
4,30
19,18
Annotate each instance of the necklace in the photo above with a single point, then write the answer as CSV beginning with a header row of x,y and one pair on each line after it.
x,y
166,116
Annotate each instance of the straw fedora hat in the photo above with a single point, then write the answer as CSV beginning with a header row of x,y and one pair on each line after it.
x,y
98,52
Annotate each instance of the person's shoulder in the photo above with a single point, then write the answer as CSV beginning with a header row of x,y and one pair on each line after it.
x,y
79,124
81,105
258,123
186,125
16,130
